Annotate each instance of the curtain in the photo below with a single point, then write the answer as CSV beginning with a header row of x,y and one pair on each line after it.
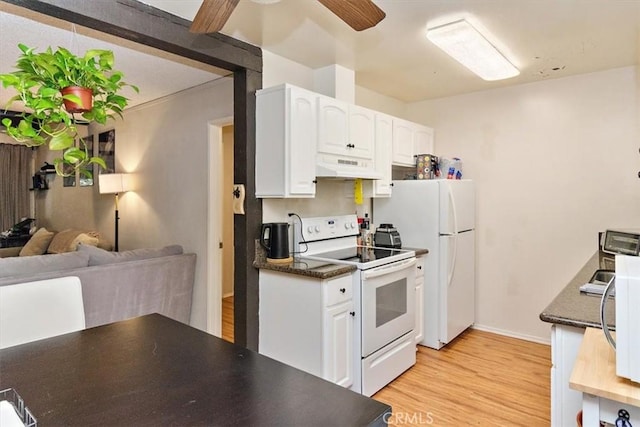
x,y
15,181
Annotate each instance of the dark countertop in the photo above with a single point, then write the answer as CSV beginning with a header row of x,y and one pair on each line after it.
x,y
155,371
309,268
418,251
573,308
315,269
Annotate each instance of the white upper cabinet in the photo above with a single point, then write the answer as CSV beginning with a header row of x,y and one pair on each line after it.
x,y
423,140
383,149
302,135
286,120
345,129
402,143
410,139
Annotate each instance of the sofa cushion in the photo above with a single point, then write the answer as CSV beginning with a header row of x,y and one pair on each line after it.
x,y
99,256
38,243
19,266
67,241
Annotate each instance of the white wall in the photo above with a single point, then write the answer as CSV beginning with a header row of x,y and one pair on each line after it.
x,y
555,162
166,144
375,101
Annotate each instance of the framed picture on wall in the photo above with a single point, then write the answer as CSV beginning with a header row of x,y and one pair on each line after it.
x,y
87,172
107,149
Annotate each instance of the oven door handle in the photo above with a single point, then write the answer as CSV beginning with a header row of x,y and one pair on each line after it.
x,y
389,268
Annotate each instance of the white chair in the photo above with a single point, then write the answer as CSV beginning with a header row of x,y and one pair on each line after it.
x,y
36,310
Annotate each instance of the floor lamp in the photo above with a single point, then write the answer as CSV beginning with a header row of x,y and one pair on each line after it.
x,y
114,183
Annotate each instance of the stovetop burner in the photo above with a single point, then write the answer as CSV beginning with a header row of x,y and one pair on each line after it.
x,y
362,256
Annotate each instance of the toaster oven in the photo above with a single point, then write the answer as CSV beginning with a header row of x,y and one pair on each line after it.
x,y
617,242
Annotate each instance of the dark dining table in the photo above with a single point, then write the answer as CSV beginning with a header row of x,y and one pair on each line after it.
x,y
155,371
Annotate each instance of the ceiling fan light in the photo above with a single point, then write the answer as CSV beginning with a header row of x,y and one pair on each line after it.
x,y
469,47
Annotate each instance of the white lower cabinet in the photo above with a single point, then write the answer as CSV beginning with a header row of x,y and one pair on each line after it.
x,y
565,402
419,327
338,344
308,323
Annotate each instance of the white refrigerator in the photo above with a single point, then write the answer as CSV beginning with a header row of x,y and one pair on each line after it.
x,y
438,215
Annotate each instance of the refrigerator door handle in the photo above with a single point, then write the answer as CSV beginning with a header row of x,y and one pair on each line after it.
x,y
452,204
452,264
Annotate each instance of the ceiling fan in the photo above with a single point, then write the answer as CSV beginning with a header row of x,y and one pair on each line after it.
x,y
359,14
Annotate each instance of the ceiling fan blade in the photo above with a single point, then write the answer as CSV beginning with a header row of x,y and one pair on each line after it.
x,y
212,15
359,14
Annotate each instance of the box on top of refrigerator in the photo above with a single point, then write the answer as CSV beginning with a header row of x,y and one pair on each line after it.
x,y
427,166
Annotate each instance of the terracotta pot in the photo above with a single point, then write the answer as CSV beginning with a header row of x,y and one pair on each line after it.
x,y
85,95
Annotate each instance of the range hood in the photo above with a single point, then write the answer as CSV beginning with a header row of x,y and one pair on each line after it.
x,y
333,166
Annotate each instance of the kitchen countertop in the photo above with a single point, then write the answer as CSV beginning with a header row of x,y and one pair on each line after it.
x,y
573,308
418,251
309,268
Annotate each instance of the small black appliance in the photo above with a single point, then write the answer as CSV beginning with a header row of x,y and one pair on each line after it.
x,y
275,239
387,236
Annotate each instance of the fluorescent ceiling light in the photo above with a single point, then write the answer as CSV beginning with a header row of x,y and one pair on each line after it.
x,y
470,48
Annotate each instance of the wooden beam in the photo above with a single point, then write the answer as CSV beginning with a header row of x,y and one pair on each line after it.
x,y
246,227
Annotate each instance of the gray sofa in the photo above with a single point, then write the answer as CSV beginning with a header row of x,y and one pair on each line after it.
x,y
121,286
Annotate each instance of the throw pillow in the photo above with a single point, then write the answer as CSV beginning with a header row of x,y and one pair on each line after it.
x,y
99,256
18,266
85,239
67,241
38,243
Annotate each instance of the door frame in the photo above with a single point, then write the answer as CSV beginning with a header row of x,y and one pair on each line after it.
x,y
214,225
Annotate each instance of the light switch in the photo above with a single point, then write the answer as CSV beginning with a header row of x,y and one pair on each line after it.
x,y
238,199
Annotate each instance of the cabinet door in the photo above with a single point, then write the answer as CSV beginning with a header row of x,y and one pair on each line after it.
x,y
565,401
403,143
361,132
333,126
423,140
338,344
301,161
383,149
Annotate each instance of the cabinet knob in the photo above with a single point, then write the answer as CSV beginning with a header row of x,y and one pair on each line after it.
x,y
352,313
419,267
351,146
343,290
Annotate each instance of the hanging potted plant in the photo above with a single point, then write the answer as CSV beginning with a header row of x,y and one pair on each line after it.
x,y
55,86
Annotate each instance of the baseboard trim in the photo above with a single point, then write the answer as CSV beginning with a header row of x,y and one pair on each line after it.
x,y
512,334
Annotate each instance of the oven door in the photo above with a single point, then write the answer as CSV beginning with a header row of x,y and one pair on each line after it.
x,y
388,303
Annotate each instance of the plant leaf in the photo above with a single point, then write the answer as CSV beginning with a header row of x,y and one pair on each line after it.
x,y
98,161
61,141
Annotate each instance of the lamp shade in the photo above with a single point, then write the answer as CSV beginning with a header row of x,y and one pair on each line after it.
x,y
114,183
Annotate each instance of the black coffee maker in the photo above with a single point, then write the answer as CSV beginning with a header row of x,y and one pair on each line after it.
x,y
275,239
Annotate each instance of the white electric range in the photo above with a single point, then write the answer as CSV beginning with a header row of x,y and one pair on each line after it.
x,y
383,296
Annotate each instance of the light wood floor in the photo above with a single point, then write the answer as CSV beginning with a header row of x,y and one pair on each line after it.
x,y
480,379
227,319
